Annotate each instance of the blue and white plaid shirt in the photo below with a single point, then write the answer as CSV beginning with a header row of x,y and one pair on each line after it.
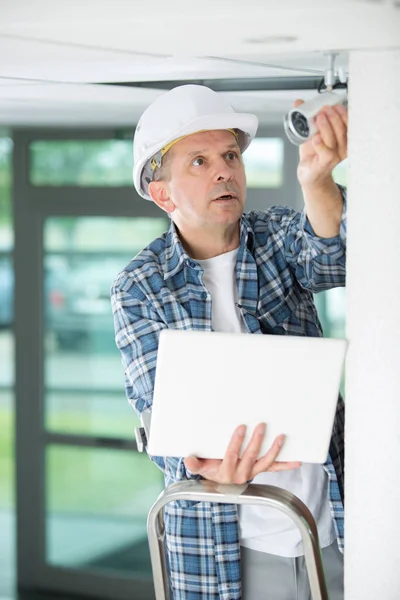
x,y
280,263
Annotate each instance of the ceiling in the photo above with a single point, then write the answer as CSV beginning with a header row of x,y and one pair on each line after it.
x,y
56,56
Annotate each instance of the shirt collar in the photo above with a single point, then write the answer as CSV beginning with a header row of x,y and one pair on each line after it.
x,y
176,256
247,236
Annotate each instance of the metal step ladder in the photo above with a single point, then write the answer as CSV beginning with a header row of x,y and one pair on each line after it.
x,y
209,491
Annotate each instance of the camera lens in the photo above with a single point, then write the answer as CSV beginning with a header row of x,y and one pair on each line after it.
x,y
300,125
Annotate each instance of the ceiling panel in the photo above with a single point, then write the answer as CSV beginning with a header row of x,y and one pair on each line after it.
x,y
47,61
43,42
212,28
91,105
34,12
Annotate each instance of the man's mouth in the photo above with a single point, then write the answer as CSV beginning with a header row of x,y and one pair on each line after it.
x,y
225,197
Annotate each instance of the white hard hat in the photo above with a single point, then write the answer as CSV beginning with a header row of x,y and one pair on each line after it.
x,y
181,111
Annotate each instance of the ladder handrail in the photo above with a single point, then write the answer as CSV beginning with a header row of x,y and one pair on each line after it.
x,y
209,491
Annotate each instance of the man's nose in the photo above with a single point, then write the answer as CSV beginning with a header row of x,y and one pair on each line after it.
x,y
223,172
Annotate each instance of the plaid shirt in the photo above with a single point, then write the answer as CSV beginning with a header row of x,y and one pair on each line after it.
x,y
280,263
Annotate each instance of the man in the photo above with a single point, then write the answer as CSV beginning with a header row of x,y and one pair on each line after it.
x,y
220,269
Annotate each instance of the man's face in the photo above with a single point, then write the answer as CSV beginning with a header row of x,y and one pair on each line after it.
x,y
207,182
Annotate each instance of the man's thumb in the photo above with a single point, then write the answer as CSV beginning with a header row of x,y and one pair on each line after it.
x,y
193,464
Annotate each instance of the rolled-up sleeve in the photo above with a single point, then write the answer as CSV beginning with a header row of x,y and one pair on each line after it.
x,y
318,263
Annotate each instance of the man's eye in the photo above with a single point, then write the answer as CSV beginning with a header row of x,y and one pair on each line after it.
x,y
231,155
198,162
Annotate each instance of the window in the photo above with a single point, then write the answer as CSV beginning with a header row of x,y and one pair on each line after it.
x,y
263,161
83,163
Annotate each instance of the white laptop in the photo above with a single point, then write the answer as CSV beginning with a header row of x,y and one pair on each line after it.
x,y
208,383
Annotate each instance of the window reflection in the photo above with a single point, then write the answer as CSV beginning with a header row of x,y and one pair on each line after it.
x,y
97,504
83,163
263,161
106,163
83,371
97,499
331,306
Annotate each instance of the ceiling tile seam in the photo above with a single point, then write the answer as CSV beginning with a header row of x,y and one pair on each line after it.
x,y
262,64
82,46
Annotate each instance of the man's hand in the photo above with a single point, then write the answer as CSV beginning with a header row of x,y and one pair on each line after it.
x,y
318,157
326,149
233,469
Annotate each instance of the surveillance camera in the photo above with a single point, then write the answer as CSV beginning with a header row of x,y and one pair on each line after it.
x,y
298,122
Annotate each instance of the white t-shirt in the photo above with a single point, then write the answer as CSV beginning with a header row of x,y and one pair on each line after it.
x,y
219,279
262,528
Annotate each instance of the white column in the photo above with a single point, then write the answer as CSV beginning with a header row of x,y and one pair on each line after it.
x,y
372,514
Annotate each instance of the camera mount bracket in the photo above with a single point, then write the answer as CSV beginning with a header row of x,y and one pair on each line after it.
x,y
330,75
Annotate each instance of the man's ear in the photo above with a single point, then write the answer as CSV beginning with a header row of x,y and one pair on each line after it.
x,y
159,193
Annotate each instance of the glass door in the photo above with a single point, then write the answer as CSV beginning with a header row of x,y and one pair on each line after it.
x,y
92,490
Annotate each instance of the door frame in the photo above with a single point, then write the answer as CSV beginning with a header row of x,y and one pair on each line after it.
x,y
32,206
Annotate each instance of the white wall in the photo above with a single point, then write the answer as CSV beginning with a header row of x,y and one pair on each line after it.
x,y
372,556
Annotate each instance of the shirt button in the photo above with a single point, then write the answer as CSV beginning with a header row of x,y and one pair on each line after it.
x,y
192,264
204,296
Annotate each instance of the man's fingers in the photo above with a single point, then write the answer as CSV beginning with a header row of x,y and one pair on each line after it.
x,y
231,458
250,455
338,120
339,127
343,112
332,126
266,461
269,463
234,470
326,131
284,466
298,102
193,464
